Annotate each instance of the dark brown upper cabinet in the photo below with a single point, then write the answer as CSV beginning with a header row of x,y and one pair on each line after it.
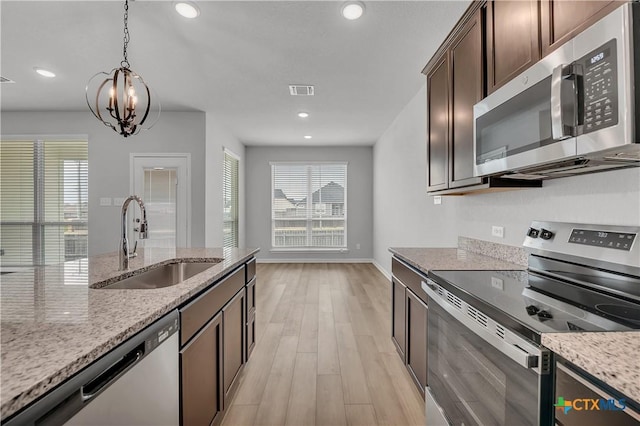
x,y
454,85
438,125
467,76
562,20
512,40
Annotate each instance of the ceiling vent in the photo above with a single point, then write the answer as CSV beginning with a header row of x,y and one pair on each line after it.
x,y
301,90
5,80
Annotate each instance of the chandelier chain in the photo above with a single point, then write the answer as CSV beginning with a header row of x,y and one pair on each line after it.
x,y
126,38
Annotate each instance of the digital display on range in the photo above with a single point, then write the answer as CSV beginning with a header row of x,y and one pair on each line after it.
x,y
614,240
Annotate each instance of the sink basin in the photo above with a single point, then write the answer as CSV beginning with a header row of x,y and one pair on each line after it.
x,y
162,276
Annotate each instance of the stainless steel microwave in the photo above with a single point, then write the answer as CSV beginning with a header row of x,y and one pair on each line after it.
x,y
572,112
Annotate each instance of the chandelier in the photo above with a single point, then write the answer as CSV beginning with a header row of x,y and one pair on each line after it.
x,y
123,100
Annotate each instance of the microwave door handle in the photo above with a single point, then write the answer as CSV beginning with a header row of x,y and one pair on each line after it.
x,y
557,127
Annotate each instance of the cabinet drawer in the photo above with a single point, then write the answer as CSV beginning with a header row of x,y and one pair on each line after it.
x,y
197,313
251,296
409,277
251,270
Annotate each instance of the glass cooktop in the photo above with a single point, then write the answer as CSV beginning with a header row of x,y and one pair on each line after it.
x,y
531,304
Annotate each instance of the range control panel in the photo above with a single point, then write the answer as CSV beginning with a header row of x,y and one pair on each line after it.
x,y
614,240
600,78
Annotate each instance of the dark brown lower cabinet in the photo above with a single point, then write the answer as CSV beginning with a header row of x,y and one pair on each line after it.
x,y
398,316
201,370
250,340
233,347
416,353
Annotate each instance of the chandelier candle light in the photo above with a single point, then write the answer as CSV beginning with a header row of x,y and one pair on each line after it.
x,y
123,99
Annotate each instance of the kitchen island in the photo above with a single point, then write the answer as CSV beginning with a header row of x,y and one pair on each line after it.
x,y
53,323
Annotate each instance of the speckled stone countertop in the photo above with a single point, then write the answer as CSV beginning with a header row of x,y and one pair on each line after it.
x,y
430,259
613,357
54,324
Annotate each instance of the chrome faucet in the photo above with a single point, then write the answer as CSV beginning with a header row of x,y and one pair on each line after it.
x,y
125,255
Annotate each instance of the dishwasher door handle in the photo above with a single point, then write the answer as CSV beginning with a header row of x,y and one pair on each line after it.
x,y
108,376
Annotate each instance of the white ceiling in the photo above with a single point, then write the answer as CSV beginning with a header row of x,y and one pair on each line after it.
x,y
235,61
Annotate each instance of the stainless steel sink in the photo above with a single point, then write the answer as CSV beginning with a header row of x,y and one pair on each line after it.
x,y
161,276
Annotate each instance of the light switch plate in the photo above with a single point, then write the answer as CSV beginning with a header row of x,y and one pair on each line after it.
x,y
105,201
497,231
437,199
497,283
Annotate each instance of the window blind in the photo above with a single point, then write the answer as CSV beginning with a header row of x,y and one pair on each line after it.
x,y
309,205
230,198
44,201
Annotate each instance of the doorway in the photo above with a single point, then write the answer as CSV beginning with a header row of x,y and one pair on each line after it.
x,y
164,184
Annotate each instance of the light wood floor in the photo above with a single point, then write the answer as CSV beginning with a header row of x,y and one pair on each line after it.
x,y
324,355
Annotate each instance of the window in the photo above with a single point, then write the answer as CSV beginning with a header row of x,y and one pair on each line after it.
x,y
230,198
44,201
309,205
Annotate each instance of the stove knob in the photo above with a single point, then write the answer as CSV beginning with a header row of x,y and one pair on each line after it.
x,y
533,233
544,314
545,234
532,310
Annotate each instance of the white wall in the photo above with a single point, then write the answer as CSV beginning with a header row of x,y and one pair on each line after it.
x,y
359,198
400,162
217,139
109,162
403,214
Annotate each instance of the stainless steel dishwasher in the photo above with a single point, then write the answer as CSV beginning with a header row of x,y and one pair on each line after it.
x,y
137,383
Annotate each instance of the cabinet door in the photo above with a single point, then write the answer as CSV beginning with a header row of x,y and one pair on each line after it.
x,y
250,332
438,126
466,90
398,317
234,326
562,20
417,340
512,40
201,370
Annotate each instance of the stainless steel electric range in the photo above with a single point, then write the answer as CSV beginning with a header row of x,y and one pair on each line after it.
x,y
486,365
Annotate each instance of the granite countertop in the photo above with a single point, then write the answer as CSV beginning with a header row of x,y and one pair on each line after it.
x,y
612,357
53,323
429,259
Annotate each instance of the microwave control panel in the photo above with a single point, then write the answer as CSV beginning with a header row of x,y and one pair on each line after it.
x,y
600,78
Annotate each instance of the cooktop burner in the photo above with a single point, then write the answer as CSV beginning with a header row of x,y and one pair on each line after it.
x,y
620,311
531,304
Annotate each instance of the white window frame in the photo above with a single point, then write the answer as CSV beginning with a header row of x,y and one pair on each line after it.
x,y
39,223
308,219
235,156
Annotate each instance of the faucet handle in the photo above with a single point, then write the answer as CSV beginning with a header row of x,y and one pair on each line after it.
x,y
133,253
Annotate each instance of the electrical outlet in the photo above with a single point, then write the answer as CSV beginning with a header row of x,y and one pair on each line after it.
x,y
497,283
437,199
358,246
117,201
497,231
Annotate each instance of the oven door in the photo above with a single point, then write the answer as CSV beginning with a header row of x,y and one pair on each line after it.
x,y
479,373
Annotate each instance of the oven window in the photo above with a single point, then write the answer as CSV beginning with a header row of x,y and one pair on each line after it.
x,y
473,382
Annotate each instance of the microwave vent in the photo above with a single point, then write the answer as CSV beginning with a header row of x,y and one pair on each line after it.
x,y
301,90
624,156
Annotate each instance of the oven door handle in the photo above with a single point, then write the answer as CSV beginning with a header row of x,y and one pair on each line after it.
x,y
514,347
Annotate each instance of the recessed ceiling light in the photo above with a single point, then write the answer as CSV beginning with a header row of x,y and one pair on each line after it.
x,y
308,137
352,10
187,9
303,114
44,73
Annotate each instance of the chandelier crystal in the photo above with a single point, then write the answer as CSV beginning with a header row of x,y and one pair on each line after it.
x,y
123,100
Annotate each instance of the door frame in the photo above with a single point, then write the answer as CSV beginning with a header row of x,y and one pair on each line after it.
x,y
185,199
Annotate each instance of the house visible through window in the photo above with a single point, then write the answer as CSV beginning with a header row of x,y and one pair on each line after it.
x,y
309,205
44,201
230,198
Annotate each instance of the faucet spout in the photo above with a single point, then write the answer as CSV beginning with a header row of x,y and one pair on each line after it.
x,y
124,253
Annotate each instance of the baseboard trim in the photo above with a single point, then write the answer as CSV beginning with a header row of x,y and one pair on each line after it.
x,y
314,260
381,269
